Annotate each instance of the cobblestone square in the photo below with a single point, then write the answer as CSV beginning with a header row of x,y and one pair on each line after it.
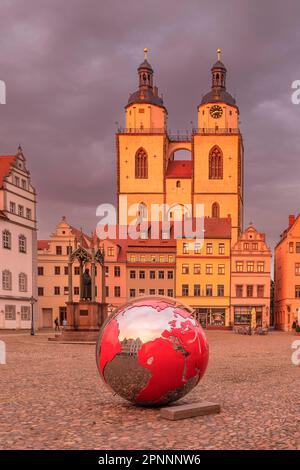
x,y
51,398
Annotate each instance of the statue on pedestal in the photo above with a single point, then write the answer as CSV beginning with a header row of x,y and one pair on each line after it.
x,y
86,285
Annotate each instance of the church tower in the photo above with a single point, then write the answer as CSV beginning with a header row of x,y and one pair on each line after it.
x,y
141,146
218,153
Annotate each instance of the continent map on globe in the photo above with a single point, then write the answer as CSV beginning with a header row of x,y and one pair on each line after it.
x,y
152,351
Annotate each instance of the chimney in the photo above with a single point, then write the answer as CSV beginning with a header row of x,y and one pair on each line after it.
x,y
291,220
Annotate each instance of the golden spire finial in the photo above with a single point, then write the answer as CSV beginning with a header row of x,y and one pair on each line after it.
x,y
146,53
219,54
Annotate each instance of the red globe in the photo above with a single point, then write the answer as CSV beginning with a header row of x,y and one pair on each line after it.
x,y
152,351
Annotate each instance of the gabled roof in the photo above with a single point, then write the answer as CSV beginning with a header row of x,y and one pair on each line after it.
x,y
6,162
292,224
180,169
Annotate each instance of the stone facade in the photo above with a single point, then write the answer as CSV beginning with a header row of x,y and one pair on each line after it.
x,y
287,276
18,244
250,279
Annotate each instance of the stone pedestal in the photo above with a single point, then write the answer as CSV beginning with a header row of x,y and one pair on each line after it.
x,y
85,315
84,319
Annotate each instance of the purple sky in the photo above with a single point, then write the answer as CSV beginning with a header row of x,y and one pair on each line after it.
x,y
70,66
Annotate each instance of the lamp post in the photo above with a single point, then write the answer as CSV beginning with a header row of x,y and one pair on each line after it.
x,y
32,301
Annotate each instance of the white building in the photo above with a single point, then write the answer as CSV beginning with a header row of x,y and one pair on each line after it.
x,y
18,243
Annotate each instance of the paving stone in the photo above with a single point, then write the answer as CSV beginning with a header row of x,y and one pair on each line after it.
x,y
51,397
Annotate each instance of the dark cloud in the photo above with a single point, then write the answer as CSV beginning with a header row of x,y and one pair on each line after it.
x,y
69,67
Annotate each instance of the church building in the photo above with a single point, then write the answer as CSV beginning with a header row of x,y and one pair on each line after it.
x,y
148,171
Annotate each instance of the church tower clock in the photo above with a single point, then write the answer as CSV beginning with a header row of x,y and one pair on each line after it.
x,y
218,153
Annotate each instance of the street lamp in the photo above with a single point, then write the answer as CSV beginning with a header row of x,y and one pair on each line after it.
x,y
32,301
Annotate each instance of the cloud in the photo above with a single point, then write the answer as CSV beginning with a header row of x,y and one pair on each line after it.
x,y
70,66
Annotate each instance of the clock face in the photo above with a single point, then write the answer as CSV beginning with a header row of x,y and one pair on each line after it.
x,y
216,111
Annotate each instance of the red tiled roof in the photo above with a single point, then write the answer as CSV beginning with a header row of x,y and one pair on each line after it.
x,y
180,169
43,244
217,228
6,162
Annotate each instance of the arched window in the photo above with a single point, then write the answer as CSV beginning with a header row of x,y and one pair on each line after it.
x,y
22,244
215,210
6,239
178,184
6,279
215,164
141,164
22,282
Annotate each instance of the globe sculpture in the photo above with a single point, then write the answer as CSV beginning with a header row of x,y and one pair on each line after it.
x,y
152,351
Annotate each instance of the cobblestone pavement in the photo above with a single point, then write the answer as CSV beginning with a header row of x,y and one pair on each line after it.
x,y
51,398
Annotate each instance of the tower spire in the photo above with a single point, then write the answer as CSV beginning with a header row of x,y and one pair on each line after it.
x,y
145,72
218,73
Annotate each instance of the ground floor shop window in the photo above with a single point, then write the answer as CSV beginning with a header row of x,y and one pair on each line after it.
x,y
210,316
242,315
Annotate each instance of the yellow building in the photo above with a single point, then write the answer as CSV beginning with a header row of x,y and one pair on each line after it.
x,y
203,273
148,171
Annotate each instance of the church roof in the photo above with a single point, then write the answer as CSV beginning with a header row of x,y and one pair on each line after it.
x,y
145,65
220,95
218,65
6,162
146,96
180,169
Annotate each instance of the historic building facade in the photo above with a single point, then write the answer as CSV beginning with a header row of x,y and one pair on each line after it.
x,y
151,267
53,274
147,170
287,276
18,244
53,256
250,279
203,273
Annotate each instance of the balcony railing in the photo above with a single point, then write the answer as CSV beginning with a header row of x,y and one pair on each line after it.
x,y
179,136
141,130
216,130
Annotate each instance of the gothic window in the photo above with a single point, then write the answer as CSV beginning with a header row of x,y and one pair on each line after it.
x,y
6,280
141,164
215,164
6,239
22,282
215,210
